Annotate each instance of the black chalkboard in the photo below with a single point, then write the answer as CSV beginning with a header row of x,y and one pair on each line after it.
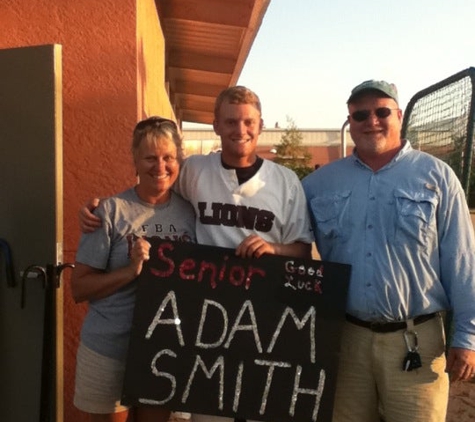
x,y
246,338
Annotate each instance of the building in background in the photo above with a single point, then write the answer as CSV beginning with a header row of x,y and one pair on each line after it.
x,y
324,145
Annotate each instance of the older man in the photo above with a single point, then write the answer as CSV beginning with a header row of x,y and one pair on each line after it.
x,y
400,218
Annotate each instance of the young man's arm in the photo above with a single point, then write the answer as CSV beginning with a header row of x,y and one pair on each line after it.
x,y
88,222
255,246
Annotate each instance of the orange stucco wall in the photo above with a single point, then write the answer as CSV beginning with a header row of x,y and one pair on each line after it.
x,y
113,74
152,96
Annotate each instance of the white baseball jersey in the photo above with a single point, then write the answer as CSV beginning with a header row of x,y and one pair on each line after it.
x,y
271,204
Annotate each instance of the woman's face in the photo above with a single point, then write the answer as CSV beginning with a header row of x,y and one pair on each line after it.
x,y
157,168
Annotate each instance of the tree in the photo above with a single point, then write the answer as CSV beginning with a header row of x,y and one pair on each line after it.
x,y
291,153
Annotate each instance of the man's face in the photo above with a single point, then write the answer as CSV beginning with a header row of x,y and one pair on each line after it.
x,y
239,126
375,136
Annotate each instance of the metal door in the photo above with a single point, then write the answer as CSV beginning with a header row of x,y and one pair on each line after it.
x,y
30,234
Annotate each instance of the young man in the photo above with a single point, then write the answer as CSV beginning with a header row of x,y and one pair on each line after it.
x,y
241,200
400,218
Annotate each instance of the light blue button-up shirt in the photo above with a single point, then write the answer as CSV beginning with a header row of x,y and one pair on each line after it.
x,y
406,231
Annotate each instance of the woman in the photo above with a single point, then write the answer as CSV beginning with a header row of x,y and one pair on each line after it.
x,y
109,260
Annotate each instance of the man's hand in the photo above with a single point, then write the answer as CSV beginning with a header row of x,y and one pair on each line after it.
x,y
460,364
254,246
88,222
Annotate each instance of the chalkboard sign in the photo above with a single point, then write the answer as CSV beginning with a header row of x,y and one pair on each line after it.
x,y
247,338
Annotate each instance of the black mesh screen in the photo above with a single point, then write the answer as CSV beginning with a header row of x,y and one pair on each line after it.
x,y
439,120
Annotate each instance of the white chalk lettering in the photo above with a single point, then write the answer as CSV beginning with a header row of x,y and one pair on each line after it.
x,y
299,324
209,374
317,392
221,335
237,390
176,321
166,375
217,371
270,374
247,305
303,270
204,312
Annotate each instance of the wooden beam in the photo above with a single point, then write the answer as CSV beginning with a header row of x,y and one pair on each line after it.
x,y
191,60
209,90
225,12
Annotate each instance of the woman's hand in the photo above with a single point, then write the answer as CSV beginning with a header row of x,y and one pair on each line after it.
x,y
139,254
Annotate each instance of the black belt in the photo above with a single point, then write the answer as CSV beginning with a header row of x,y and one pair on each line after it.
x,y
387,327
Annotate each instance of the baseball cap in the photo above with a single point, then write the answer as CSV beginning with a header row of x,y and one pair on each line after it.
x,y
385,87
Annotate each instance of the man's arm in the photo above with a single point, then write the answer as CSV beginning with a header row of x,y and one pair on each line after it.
x,y
457,260
255,246
88,222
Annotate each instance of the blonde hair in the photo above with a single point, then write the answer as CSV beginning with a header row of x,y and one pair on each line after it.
x,y
154,129
237,95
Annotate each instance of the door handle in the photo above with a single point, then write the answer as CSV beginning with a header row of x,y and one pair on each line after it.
x,y
50,275
57,270
33,271
9,269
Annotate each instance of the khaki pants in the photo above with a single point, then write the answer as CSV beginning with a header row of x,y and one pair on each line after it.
x,y
371,380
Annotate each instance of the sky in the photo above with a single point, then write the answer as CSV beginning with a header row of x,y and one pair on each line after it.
x,y
309,54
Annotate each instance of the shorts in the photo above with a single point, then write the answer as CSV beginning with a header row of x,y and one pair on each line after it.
x,y
99,380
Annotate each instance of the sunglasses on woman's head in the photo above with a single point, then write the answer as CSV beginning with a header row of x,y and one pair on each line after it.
x,y
380,113
155,121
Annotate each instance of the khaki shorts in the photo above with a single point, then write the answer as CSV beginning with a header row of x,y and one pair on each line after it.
x,y
99,380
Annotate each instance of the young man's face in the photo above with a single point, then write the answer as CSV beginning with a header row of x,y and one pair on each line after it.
x,y
239,126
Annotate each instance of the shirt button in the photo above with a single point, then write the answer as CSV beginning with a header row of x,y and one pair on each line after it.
x,y
370,226
369,254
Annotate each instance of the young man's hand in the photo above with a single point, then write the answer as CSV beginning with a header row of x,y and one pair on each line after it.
x,y
88,222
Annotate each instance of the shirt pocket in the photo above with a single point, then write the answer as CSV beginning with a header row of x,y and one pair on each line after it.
x,y
415,217
331,213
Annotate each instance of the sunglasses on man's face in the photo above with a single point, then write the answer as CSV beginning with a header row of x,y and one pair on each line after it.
x,y
380,113
155,121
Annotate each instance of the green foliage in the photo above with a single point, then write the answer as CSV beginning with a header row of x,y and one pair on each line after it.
x,y
291,153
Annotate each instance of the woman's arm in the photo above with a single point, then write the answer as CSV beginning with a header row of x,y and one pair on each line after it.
x,y
88,283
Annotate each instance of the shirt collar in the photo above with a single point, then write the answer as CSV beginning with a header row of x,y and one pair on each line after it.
x,y
403,151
